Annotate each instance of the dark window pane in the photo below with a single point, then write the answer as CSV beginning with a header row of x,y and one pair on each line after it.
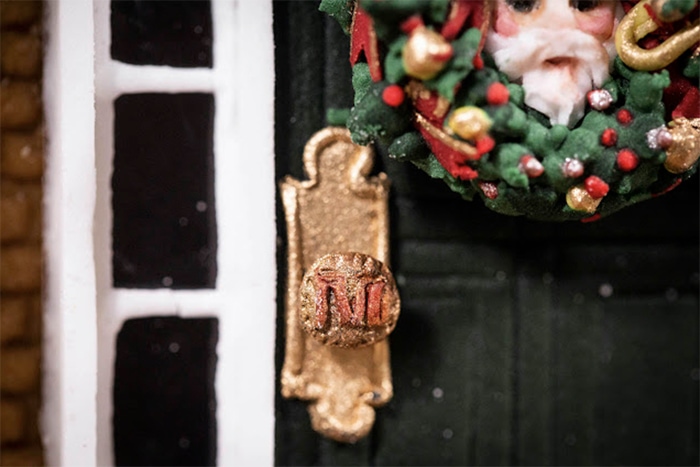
x,y
164,399
175,33
164,232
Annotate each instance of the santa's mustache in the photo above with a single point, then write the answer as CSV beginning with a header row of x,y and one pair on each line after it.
x,y
537,47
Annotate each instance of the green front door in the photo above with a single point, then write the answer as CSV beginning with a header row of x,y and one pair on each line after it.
x,y
520,342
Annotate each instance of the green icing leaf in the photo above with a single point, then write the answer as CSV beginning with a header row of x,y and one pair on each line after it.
x,y
361,81
682,7
646,90
371,119
692,69
459,67
393,63
438,10
409,146
340,10
337,117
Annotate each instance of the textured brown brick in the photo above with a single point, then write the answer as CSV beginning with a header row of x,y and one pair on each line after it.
x,y
21,104
20,268
34,319
20,55
19,13
21,457
13,319
20,369
14,217
13,420
32,407
22,154
30,193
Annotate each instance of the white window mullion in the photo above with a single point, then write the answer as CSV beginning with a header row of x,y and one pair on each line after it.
x,y
107,323
70,340
244,149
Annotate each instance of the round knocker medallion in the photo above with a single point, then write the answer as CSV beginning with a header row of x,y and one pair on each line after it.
x,y
348,300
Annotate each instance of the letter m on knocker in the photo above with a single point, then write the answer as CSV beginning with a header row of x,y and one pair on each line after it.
x,y
364,309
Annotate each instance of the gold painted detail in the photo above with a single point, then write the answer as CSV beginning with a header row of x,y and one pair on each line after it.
x,y
338,210
349,300
635,25
465,148
685,148
469,122
425,54
417,90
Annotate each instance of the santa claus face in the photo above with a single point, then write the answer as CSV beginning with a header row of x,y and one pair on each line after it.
x,y
557,49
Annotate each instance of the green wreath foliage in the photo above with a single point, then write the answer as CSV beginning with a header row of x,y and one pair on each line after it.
x,y
517,129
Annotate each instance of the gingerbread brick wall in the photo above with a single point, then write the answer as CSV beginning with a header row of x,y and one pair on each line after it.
x,y
21,170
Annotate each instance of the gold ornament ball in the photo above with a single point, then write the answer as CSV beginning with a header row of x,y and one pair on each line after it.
x,y
425,54
685,148
469,122
579,199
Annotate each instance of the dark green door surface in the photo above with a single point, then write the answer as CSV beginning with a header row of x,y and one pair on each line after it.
x,y
520,342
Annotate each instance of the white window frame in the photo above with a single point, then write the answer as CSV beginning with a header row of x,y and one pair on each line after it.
x,y
83,311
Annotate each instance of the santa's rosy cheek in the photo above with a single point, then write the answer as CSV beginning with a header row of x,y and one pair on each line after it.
x,y
598,22
505,24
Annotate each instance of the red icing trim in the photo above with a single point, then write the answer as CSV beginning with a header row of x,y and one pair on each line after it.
x,y
461,9
592,218
412,23
453,161
427,108
364,39
673,185
689,106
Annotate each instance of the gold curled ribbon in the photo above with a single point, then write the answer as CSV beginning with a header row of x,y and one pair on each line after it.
x,y
460,146
635,25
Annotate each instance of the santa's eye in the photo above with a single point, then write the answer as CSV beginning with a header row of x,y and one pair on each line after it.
x,y
585,5
523,6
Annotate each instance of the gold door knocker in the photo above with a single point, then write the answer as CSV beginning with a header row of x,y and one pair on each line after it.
x,y
341,299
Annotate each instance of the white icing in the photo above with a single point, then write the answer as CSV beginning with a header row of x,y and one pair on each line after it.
x,y
556,67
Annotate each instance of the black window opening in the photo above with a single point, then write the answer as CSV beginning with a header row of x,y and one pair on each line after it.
x,y
164,399
172,33
164,229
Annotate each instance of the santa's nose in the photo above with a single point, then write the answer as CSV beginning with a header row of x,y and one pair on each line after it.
x,y
554,14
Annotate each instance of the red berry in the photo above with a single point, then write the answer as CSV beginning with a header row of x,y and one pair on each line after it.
x,y
596,187
497,94
624,116
609,137
484,145
393,95
627,160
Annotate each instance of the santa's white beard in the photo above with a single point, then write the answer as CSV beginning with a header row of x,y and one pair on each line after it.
x,y
557,68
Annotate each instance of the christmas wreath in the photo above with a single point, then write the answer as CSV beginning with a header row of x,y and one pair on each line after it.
x,y
431,90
